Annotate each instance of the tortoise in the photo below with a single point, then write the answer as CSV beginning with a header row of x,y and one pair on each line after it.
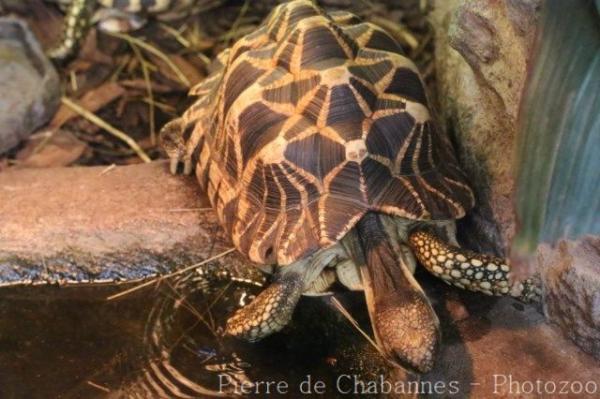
x,y
117,16
313,140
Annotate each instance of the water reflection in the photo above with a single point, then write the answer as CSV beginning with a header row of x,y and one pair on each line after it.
x,y
166,341
186,354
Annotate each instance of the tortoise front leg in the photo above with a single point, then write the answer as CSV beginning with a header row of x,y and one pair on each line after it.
x,y
470,270
270,311
179,139
273,308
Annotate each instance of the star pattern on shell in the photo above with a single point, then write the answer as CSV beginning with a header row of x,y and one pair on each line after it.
x,y
311,121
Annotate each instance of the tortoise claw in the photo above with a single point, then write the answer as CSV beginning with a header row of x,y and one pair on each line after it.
x,y
175,141
173,162
187,167
528,290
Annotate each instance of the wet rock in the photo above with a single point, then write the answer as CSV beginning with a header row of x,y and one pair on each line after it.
x,y
28,82
571,283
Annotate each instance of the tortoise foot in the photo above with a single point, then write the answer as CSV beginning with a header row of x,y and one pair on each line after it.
x,y
269,312
408,330
173,142
528,290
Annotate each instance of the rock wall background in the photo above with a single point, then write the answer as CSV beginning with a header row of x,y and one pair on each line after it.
x,y
483,55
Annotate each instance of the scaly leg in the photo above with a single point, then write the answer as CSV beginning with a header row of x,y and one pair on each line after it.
x,y
272,309
269,312
470,270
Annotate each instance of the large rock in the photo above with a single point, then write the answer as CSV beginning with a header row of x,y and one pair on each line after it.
x,y
483,55
28,82
572,282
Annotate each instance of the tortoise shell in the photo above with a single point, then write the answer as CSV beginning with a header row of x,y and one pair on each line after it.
x,y
308,123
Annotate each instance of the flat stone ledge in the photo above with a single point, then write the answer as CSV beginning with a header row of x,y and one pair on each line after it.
x,y
93,224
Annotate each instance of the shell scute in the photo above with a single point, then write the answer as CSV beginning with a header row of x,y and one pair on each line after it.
x,y
374,73
242,76
406,83
388,134
291,92
345,114
316,104
324,50
305,154
259,126
381,41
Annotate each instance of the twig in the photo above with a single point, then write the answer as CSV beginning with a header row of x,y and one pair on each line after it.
x,y
175,33
166,108
156,279
156,52
190,209
354,323
186,305
121,65
108,169
73,81
149,91
234,27
46,137
104,125
240,31
98,386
